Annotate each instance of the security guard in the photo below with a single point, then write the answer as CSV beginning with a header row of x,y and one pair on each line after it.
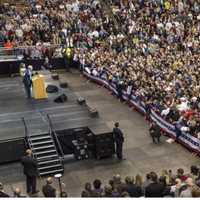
x,y
155,132
119,140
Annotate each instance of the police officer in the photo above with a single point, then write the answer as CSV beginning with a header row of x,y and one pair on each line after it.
x,y
155,132
119,140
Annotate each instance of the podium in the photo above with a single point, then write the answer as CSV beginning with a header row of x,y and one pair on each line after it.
x,y
39,90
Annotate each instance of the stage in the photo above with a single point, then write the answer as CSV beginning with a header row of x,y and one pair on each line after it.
x,y
14,106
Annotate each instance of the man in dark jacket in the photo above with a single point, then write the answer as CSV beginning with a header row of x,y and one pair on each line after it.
x,y
48,190
30,171
27,82
155,132
154,189
131,188
119,140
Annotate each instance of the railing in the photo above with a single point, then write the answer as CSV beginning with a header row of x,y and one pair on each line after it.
x,y
30,52
26,128
52,131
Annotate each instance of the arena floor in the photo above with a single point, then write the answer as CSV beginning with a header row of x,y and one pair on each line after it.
x,y
141,154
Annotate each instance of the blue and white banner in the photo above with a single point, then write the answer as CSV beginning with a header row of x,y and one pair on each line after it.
x,y
185,139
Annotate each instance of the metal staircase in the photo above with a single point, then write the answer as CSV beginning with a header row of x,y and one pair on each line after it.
x,y
43,146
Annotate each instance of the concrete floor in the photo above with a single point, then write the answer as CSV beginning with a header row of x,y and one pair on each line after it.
x,y
141,154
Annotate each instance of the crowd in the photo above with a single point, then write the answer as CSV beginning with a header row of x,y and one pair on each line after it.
x,y
165,184
149,48
47,25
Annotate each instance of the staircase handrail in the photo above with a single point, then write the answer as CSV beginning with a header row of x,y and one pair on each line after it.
x,y
26,128
52,131
28,136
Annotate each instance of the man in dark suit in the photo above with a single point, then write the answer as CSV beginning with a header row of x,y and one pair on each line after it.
x,y
154,189
119,140
2,193
27,82
30,170
155,132
48,190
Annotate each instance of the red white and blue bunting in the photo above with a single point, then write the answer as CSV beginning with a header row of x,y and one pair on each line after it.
x,y
186,139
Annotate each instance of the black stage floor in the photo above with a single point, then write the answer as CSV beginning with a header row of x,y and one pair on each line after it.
x,y
14,106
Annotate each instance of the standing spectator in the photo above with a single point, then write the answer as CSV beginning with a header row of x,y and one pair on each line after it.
x,y
119,140
48,190
154,189
30,171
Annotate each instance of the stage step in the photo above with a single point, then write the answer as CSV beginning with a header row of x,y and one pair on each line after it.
x,y
52,166
40,143
46,154
40,138
48,161
44,147
39,135
52,172
49,156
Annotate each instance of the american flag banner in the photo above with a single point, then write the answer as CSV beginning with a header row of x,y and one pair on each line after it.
x,y
185,138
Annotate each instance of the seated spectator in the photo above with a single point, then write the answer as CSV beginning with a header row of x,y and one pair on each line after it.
x,y
88,189
107,191
48,190
138,184
194,172
2,193
195,191
131,188
154,189
17,193
187,191
85,194
180,174
97,190
63,194
125,194
146,182
115,192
